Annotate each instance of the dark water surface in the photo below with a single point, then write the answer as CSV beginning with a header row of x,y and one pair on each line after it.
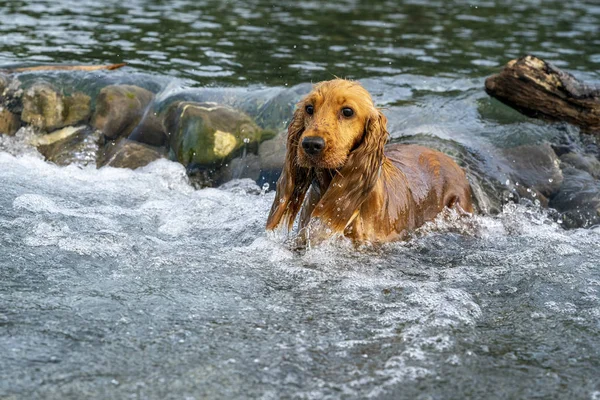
x,y
120,284
278,43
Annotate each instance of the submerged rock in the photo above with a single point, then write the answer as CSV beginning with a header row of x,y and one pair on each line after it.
x,y
129,154
45,108
584,162
578,200
272,152
208,134
536,169
150,130
247,166
119,108
71,145
271,155
278,110
9,122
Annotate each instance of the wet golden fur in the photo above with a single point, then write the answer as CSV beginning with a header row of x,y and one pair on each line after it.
x,y
355,187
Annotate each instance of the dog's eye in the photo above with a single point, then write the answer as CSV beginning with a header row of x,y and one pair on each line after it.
x,y
310,110
347,112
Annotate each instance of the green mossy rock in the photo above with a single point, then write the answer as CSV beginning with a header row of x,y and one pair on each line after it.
x,y
208,134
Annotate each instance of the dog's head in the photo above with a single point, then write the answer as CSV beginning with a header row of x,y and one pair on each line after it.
x,y
335,127
334,119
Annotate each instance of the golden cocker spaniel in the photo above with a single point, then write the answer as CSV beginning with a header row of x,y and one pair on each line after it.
x,y
335,152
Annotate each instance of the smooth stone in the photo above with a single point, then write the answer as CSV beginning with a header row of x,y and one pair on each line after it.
x,y
119,109
277,111
272,152
241,167
9,122
208,134
536,167
129,154
70,146
150,130
46,109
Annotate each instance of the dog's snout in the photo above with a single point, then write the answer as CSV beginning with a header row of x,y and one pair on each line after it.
x,y
313,145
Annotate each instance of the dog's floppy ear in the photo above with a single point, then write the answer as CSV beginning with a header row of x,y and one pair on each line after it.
x,y
294,180
356,179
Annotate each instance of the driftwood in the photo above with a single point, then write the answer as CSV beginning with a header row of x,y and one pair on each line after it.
x,y
64,68
538,89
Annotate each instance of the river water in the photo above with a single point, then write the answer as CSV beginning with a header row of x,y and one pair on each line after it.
x,y
132,284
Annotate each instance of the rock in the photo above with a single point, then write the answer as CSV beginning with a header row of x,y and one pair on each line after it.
x,y
56,136
129,154
9,122
241,167
208,134
583,162
578,200
277,111
272,152
46,109
78,108
536,167
150,130
71,145
119,108
272,157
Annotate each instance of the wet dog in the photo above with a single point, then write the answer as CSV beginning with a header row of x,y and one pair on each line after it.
x,y
338,167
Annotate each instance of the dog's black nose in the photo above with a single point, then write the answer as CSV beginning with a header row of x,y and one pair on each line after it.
x,y
313,145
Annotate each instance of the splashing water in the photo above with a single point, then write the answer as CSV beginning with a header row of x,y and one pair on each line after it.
x,y
129,283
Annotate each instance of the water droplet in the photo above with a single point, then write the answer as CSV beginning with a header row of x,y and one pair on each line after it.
x,y
246,140
550,180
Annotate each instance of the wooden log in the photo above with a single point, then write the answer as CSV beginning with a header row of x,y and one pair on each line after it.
x,y
538,89
65,68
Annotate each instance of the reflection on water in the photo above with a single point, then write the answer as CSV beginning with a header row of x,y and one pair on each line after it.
x,y
290,42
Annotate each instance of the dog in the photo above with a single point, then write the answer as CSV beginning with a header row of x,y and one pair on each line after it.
x,y
357,186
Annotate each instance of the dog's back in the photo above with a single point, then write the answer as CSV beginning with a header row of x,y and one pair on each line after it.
x,y
434,179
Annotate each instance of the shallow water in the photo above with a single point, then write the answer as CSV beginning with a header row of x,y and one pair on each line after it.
x,y
131,284
119,284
